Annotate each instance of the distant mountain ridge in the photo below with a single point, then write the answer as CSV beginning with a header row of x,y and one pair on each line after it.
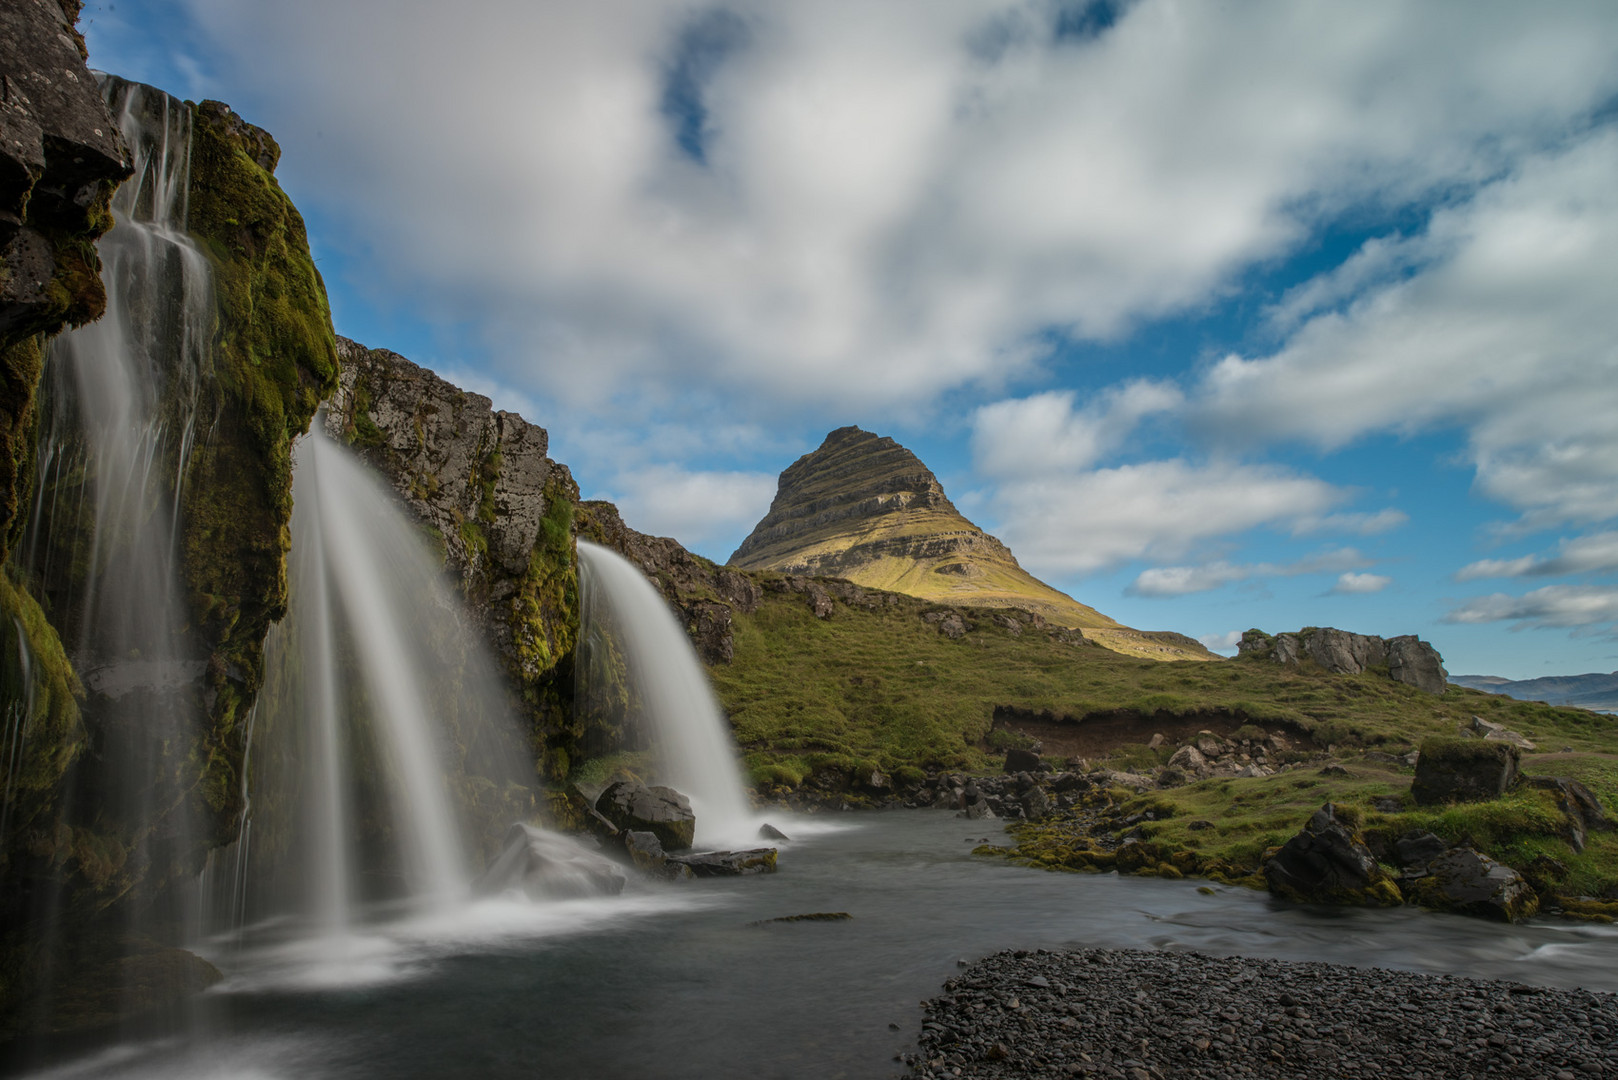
x,y
864,508
1594,691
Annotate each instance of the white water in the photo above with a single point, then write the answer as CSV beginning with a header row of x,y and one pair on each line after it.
x,y
696,755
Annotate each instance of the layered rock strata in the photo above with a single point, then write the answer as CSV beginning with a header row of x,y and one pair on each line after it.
x,y
864,508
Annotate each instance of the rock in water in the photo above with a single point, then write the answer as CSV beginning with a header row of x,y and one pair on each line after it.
x,y
662,811
728,863
549,866
1463,770
1468,882
1328,863
767,831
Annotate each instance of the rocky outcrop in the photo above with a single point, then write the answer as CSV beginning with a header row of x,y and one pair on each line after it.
x,y
1463,770
864,508
1468,882
1579,806
1328,863
665,813
1407,659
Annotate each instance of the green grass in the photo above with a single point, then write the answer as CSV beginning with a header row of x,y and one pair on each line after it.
x,y
884,686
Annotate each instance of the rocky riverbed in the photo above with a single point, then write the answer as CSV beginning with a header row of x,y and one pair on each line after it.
x,y
1140,1015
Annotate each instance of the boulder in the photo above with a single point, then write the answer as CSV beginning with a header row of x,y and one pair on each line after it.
x,y
547,865
662,811
1468,882
1019,760
1500,733
1035,803
1463,770
1416,850
1328,863
727,863
767,831
1578,804
1188,759
1416,663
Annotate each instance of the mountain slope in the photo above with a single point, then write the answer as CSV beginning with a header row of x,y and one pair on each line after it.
x,y
864,508
1593,691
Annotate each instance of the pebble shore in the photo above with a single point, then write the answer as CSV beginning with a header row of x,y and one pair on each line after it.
x,y
1142,1015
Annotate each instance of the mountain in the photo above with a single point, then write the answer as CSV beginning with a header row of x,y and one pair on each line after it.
x,y
1594,691
864,508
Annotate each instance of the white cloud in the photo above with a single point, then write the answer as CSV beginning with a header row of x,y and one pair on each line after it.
x,y
1045,433
1160,509
1596,553
1553,606
1165,581
699,509
893,199
1221,643
1362,524
1505,328
1353,584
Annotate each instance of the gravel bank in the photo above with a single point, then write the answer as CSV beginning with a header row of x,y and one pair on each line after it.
x,y
1163,1016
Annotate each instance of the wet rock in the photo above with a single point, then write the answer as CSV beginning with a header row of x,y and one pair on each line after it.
x,y
1020,760
770,832
1468,882
1328,863
1463,770
662,811
706,864
549,865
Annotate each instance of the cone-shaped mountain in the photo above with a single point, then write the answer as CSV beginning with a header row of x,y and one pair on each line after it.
x,y
864,508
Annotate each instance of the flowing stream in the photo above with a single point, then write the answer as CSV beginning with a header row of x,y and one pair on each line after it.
x,y
677,981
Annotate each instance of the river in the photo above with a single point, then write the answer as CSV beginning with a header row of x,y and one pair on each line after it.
x,y
681,981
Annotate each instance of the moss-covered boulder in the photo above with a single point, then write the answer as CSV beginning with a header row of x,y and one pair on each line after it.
x,y
1463,770
1328,863
1468,882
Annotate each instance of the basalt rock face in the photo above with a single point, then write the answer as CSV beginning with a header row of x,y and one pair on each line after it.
x,y
1407,658
864,508
494,503
60,159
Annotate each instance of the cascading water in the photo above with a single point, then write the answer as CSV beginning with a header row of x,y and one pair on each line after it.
x,y
386,760
118,420
677,709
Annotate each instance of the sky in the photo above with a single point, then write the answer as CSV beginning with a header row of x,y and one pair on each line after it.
x,y
1221,315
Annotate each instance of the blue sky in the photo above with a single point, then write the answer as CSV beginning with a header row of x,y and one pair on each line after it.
x,y
1220,315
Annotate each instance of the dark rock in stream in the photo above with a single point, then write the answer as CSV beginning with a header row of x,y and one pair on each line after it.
x,y
1328,863
662,811
727,863
1468,882
1120,1013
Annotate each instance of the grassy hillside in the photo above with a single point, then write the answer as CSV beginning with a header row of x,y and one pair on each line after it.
x,y
883,686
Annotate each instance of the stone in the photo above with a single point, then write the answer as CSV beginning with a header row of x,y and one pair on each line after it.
x,y
662,811
1189,759
1020,760
706,864
1468,882
1578,804
1407,658
1328,862
1034,803
645,851
767,831
1157,740
547,865
1500,733
1463,770
1416,850
1416,663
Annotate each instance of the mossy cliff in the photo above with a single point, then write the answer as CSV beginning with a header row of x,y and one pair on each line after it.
x,y
78,859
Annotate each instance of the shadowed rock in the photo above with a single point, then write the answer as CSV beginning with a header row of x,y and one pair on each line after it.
x,y
1463,770
1328,863
661,811
1468,882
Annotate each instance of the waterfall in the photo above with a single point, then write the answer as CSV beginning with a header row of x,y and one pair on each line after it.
x,y
677,709
117,423
386,758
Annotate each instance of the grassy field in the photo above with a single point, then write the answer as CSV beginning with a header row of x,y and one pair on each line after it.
x,y
885,689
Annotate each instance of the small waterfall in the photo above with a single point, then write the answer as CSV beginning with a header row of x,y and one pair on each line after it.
x,y
677,709
386,759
